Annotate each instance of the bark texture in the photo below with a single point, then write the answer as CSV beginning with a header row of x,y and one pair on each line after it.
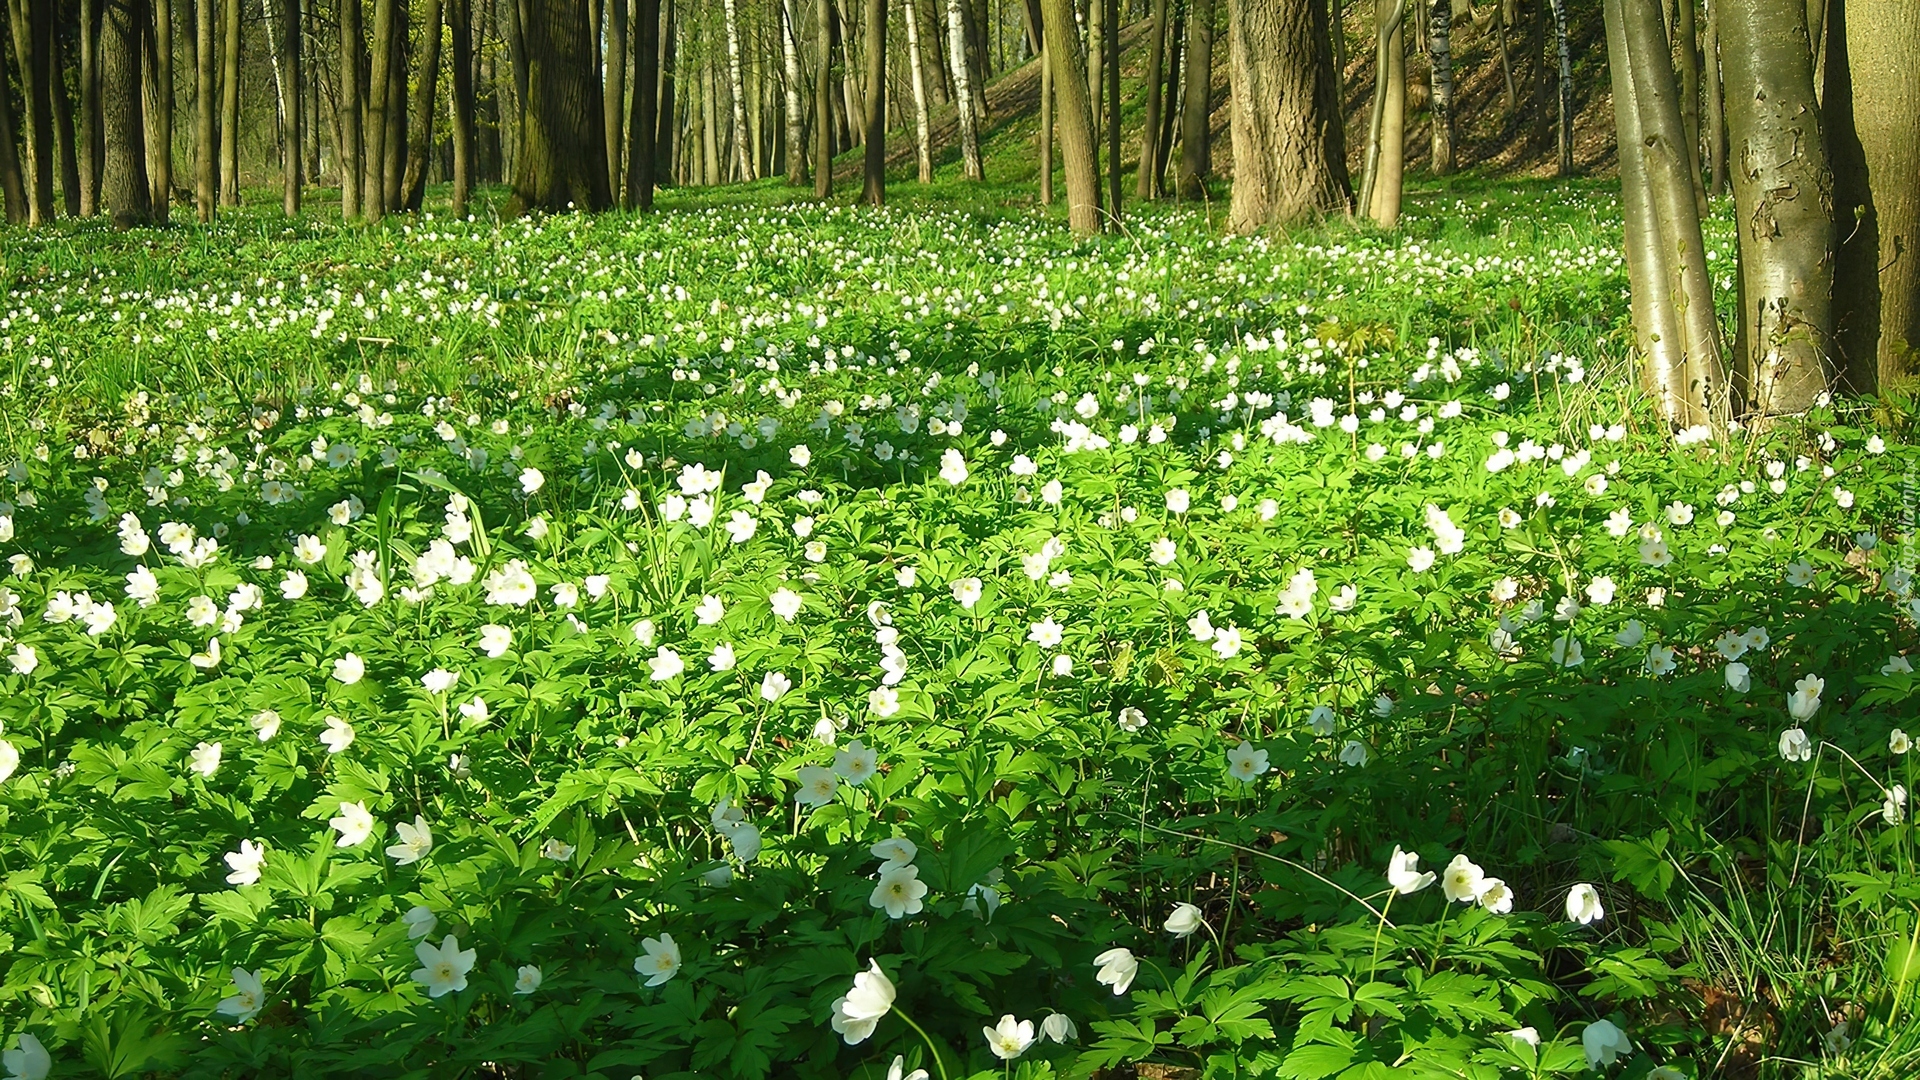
x,y
1289,155
874,173
352,137
460,38
123,183
1074,118
963,95
1146,180
1440,68
1196,162
922,144
563,156
1387,140
205,89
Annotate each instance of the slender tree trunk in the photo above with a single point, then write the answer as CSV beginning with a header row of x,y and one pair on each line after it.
x,y
1686,52
1337,30
709,123
352,137
13,186
123,184
1387,145
313,65
922,142
229,104
1289,155
874,174
460,33
1074,117
283,36
795,90
1146,182
1096,55
1506,56
1873,81
92,152
426,92
205,88
643,122
823,102
63,133
1114,171
394,168
1563,129
1046,124
562,162
157,94
373,174
1716,126
1170,112
32,44
663,148
1440,65
743,165
1783,190
1196,160
963,95
615,97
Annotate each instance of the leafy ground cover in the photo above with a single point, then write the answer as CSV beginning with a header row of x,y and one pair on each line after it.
x,y
816,642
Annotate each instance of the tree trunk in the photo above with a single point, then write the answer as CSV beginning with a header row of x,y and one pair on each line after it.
x,y
614,99
32,44
287,75
1096,54
1046,124
563,163
922,142
709,124
1873,81
13,187
663,151
1114,172
1196,160
460,31
963,96
823,102
92,153
157,94
229,104
743,152
1686,51
643,121
794,89
1440,65
123,183
1289,155
1563,128
426,92
1074,117
373,173
394,168
63,133
1387,136
874,172
1506,57
1716,133
205,88
1783,190
352,137
1146,182
1170,113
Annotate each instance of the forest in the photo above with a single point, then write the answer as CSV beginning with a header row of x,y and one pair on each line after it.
x,y
1081,539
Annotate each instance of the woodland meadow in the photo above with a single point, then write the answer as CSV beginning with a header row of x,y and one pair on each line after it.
x,y
1168,539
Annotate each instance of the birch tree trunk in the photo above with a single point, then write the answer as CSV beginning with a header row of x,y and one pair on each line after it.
x,y
1783,190
205,148
823,102
1563,129
744,163
796,107
963,96
1440,54
922,144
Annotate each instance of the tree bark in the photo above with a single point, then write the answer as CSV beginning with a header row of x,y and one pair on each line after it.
x,y
92,152
426,92
63,132
157,99
1074,117
1440,66
1387,138
229,104
394,169
13,186
643,121
1563,128
1289,155
1715,120
823,102
352,137
922,141
1146,182
373,173
123,184
292,169
1196,160
743,152
460,34
1170,112
1686,51
205,88
794,89
663,150
1096,55
1872,85
1114,172
614,98
32,44
1783,191
563,162
874,172
963,95
1046,124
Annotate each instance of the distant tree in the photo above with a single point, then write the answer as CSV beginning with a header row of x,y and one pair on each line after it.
x,y
353,49
206,186
1440,68
1147,177
874,171
1196,115
32,22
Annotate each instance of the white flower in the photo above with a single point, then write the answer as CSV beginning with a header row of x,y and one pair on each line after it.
x,y
800,455
1739,677
495,640
1567,652
1898,742
248,998
1604,1043
1583,904
531,480
30,1062
1116,968
338,736
1178,500
884,701
1185,919
245,863
556,849
1059,1027
1009,1038
1800,573
1495,896
420,921
774,685
443,970
1227,642
528,980
415,841
1894,809
1163,552
1321,720
1804,701
1420,559
1130,719
661,960
1795,746
1354,753
204,759
1046,633
665,664
1660,660
1600,591
354,824
1631,634
899,891
967,592
1404,874
894,851
1463,881
349,669
1244,762
785,603
858,1011
294,585
817,785
439,680
953,467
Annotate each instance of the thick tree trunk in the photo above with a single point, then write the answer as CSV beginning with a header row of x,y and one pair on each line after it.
x,y
563,163
206,147
1440,66
642,121
426,92
1196,159
1289,154
874,171
1146,182
1096,54
123,184
922,142
963,95
32,46
1074,117
614,98
794,89
63,133
743,153
395,168
352,136
1783,190
460,34
92,153
1686,52
373,172
1873,127
1387,134
823,102
229,104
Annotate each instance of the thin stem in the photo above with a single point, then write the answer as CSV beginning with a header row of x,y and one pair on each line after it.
x,y
928,1039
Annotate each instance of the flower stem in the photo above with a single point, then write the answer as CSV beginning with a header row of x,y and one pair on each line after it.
x,y
928,1039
